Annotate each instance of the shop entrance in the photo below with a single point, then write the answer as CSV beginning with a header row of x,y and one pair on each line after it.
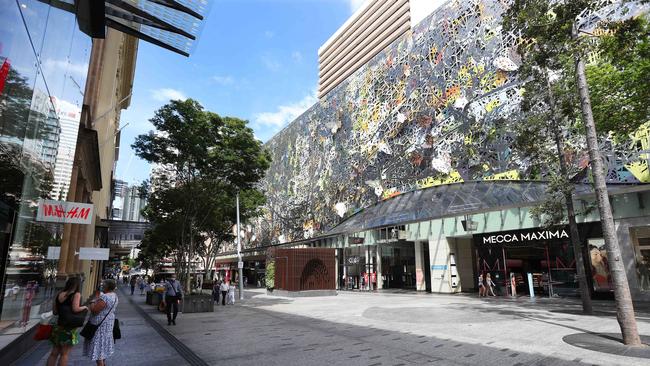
x,y
508,257
523,260
359,269
398,265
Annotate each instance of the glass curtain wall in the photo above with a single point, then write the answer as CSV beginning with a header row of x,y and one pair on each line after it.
x,y
43,66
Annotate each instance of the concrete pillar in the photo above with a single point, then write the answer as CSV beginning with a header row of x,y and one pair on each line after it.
x,y
380,281
67,228
439,250
336,267
420,282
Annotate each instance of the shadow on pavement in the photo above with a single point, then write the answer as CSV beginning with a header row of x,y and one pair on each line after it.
x,y
251,335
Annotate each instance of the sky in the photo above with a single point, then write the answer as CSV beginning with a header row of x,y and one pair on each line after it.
x,y
255,59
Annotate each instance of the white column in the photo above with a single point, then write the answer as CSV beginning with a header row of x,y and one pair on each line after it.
x,y
420,283
439,250
380,281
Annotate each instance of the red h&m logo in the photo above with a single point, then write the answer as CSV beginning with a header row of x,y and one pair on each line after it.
x,y
65,212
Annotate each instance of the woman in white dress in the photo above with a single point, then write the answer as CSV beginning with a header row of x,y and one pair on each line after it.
x,y
100,347
231,295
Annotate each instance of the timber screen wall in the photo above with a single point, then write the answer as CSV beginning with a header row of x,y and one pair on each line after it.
x,y
305,269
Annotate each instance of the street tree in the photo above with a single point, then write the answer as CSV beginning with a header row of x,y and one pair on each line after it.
x,y
553,43
202,160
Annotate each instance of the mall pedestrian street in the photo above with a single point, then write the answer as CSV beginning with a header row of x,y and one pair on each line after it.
x,y
372,329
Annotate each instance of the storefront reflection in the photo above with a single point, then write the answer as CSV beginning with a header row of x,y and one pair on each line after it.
x,y
43,58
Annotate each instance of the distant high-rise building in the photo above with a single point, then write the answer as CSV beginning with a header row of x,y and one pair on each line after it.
x,y
127,202
120,189
133,204
69,116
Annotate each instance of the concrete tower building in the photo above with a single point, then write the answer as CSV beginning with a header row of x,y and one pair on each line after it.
x,y
69,117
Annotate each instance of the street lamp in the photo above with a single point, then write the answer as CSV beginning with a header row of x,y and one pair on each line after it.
x,y
240,264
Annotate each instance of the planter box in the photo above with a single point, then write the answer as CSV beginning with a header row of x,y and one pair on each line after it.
x,y
197,304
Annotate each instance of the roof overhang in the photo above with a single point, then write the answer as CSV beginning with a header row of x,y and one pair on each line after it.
x,y
170,24
456,199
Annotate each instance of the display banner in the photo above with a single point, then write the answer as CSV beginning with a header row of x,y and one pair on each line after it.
x,y
53,253
100,254
64,212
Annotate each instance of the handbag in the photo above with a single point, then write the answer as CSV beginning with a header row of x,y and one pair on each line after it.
x,y
117,333
68,318
90,329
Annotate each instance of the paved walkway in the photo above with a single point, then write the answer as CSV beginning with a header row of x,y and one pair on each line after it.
x,y
140,343
377,330
363,329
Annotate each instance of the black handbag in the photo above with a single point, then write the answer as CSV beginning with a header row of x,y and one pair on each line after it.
x,y
68,318
89,330
117,334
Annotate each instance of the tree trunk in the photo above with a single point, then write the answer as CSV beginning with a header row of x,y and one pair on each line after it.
x,y
624,306
576,243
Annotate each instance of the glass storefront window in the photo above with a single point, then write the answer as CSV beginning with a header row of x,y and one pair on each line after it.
x,y
641,241
43,65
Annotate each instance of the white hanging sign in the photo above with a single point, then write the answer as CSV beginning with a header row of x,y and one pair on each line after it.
x,y
53,253
64,212
98,254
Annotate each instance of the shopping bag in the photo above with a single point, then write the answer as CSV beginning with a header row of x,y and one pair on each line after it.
x,y
162,307
43,332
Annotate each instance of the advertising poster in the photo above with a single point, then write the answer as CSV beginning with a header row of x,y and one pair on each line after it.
x,y
601,277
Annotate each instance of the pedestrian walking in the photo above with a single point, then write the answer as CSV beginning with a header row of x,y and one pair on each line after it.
x,y
481,286
215,291
141,285
132,283
224,292
102,313
173,295
63,336
489,285
231,295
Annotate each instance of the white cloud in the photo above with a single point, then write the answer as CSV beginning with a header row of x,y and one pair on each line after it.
x,y
271,63
167,94
285,113
62,66
223,80
296,56
355,4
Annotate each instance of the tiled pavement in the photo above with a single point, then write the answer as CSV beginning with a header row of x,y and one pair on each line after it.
x,y
140,343
362,329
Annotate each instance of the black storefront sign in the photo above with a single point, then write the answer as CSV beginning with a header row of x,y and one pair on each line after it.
x,y
521,237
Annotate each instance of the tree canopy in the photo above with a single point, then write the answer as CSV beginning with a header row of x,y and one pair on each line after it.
x,y
201,162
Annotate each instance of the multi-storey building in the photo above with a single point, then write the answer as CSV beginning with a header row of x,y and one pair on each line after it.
x,y
69,117
406,165
82,53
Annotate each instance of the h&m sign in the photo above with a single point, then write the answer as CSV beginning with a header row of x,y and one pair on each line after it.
x,y
64,212
523,236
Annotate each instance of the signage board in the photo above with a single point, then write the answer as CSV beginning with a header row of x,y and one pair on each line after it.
x,y
64,212
355,240
100,254
438,267
53,253
521,237
240,265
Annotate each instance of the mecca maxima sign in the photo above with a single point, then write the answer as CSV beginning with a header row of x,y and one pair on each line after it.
x,y
527,236
64,212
